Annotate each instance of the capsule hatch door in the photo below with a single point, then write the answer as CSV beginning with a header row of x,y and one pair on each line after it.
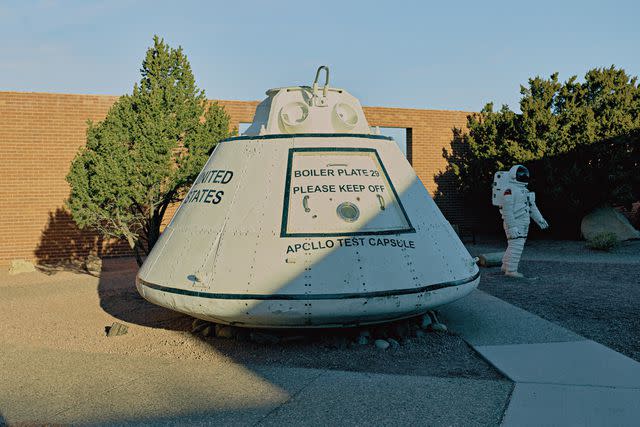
x,y
340,191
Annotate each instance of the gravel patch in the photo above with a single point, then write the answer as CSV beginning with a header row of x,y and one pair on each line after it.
x,y
433,354
600,301
563,250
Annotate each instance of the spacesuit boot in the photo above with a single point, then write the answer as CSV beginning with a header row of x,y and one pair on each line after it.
x,y
512,257
517,208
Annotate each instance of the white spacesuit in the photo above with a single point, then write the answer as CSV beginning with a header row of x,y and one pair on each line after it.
x,y
517,204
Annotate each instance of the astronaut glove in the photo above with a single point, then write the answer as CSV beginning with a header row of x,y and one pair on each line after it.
x,y
543,224
512,233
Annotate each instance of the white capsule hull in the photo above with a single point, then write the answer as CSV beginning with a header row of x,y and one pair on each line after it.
x,y
313,230
287,313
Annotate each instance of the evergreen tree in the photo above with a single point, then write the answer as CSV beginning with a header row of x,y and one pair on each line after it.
x,y
146,152
581,141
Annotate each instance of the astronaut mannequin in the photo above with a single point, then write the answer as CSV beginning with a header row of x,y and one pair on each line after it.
x,y
517,204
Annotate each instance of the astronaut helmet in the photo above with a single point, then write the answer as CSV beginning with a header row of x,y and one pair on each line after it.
x,y
519,174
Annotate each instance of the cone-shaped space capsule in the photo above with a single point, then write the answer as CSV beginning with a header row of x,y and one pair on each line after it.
x,y
309,219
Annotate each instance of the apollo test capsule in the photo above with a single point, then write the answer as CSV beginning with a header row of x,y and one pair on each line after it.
x,y
308,219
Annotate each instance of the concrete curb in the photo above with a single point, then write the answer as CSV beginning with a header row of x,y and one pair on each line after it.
x,y
560,377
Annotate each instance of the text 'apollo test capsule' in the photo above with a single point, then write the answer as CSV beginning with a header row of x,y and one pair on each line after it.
x,y
308,219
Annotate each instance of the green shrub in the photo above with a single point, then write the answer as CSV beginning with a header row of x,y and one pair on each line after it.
x,y
144,155
580,140
603,241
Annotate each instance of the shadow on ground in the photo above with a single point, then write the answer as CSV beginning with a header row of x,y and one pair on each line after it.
x,y
120,298
65,247
444,355
436,354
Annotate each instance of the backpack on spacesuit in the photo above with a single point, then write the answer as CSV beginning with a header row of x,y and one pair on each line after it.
x,y
500,182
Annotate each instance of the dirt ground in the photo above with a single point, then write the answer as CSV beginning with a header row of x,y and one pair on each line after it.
x,y
70,310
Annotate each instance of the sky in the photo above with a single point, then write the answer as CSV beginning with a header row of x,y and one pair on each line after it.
x,y
452,55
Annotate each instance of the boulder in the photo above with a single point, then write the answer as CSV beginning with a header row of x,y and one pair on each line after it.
x,y
93,264
21,266
363,338
393,343
117,329
607,220
382,344
198,325
225,331
438,327
491,259
426,321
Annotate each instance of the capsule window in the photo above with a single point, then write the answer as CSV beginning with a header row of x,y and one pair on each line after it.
x,y
348,211
345,116
293,115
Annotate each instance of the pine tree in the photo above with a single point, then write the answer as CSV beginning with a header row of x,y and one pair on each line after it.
x,y
146,152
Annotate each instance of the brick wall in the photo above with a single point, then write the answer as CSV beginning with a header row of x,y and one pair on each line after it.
x,y
40,134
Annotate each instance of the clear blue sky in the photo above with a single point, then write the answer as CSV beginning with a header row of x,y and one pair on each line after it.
x,y
446,55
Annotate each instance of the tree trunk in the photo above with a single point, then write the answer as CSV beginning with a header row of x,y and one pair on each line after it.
x,y
136,250
153,230
135,246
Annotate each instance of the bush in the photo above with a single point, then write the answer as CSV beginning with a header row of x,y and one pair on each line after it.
x,y
603,241
149,148
581,142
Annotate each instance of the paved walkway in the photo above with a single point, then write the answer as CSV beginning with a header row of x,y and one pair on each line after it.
x,y
560,378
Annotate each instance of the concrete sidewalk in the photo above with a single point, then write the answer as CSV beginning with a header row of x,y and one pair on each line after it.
x,y
54,386
560,378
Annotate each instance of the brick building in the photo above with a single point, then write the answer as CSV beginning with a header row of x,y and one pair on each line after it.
x,y
40,134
